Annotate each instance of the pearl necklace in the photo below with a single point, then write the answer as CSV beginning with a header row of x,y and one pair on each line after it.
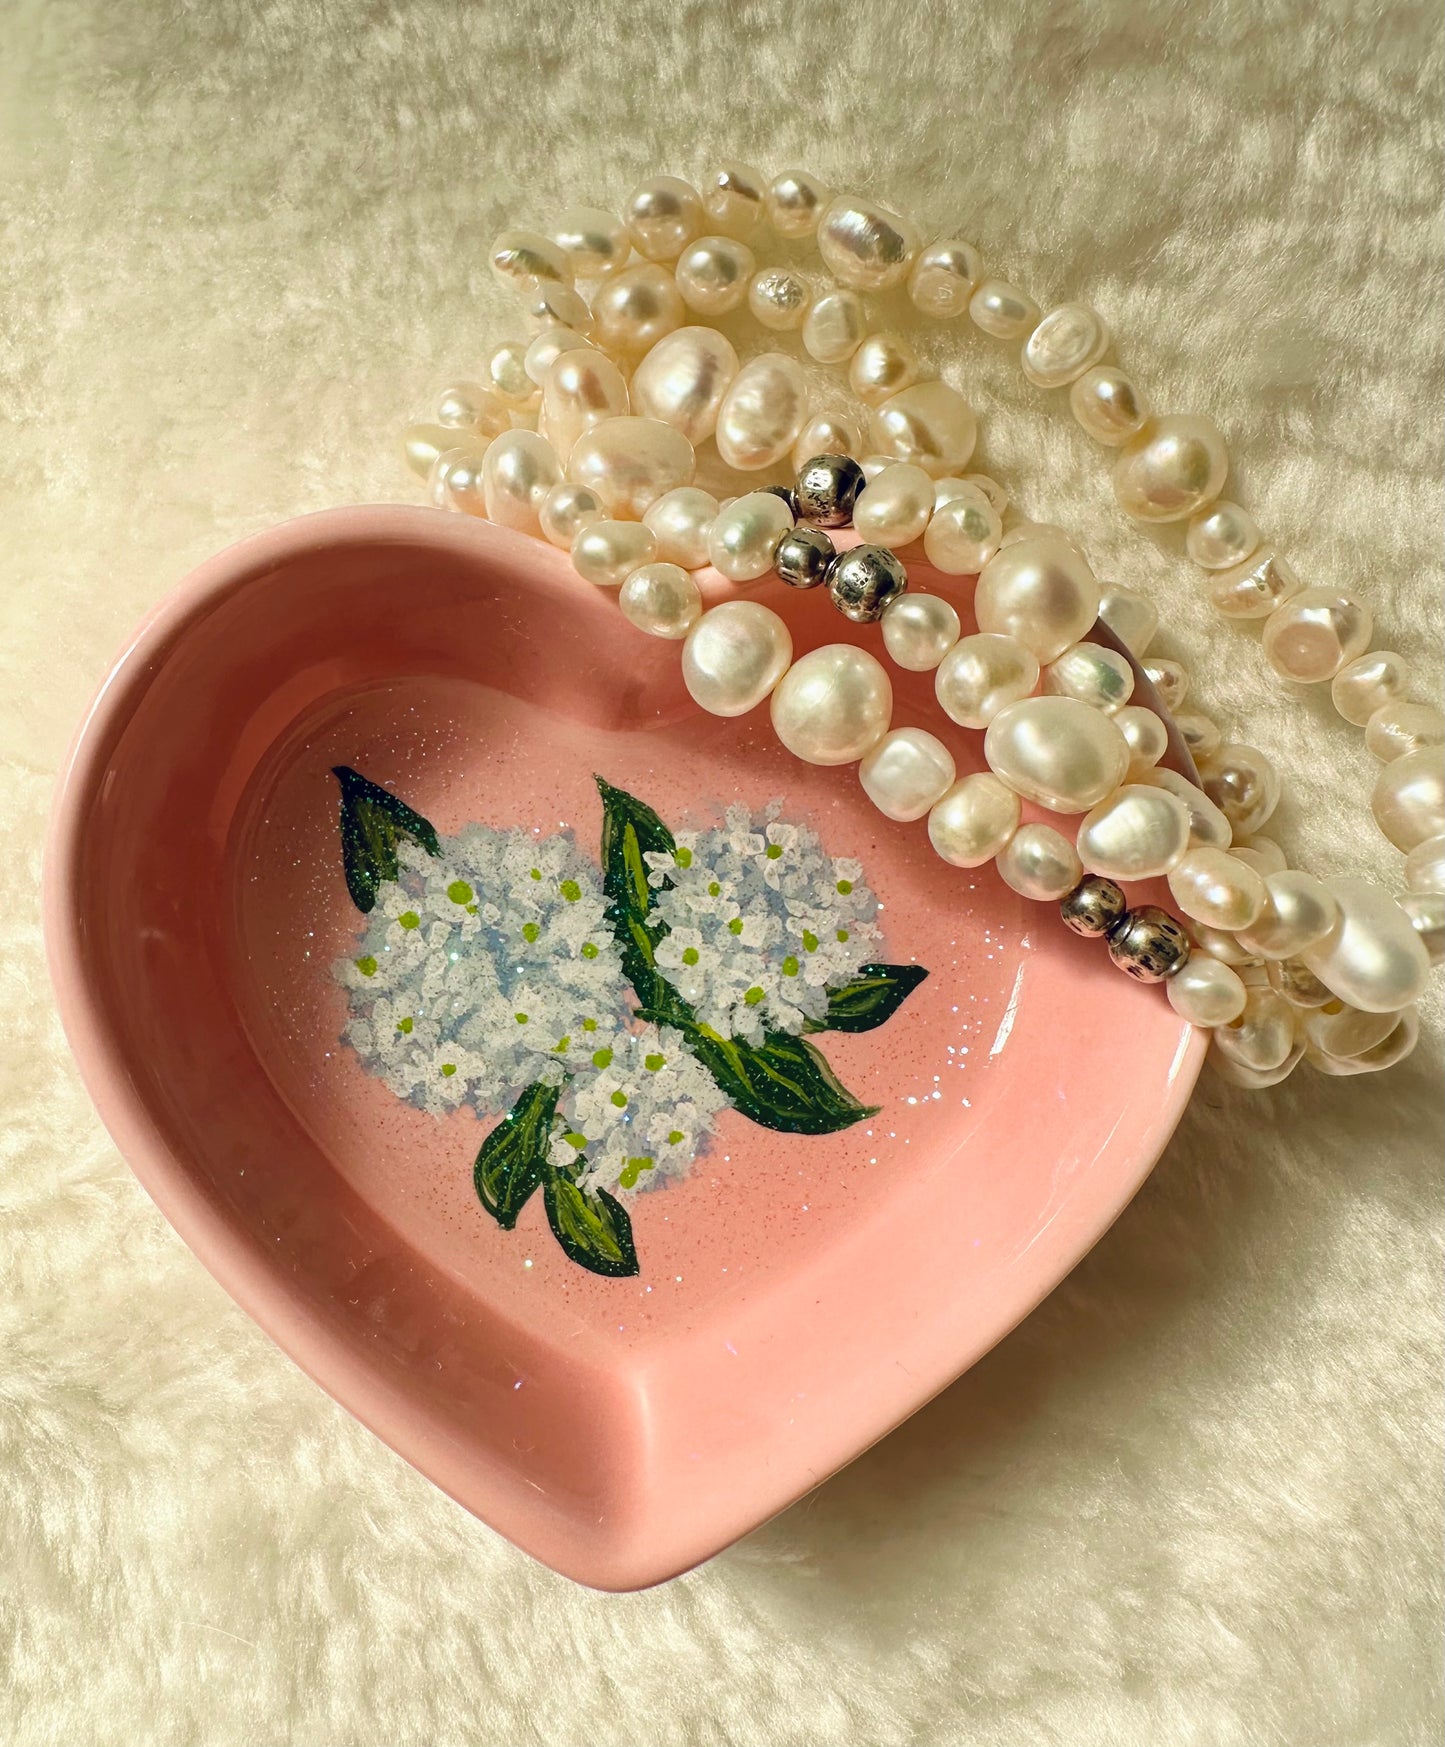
x,y
559,443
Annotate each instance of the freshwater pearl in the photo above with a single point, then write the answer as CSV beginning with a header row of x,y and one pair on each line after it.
x,y
1243,784
1372,958
745,535
1040,863
1298,912
456,482
733,197
833,327
1146,735
1314,633
1425,866
1238,1075
762,412
734,655
566,510
1426,911
873,465
929,424
1108,405
595,242
1292,978
1222,945
1206,992
832,705
507,375
518,471
1173,467
919,630
681,520
1367,683
1340,1030
634,308
1002,311
1169,679
1214,887
1199,734
974,820
943,278
713,275
1409,797
520,259
1253,589
864,245
548,347
906,772
468,406
829,433
550,305
1040,591
683,379
582,388
963,535
1056,751
1395,729
1208,824
1093,674
663,215
1137,833
422,444
883,365
1263,854
661,599
990,488
606,552
896,507
630,463
794,203
1221,536
1131,616
1263,1036
778,298
983,674
1064,345
1385,1054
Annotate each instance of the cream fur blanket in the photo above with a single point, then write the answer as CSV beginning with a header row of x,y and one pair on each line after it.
x,y
1196,1497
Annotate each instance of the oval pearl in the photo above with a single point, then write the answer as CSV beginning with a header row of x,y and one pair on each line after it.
x,y
745,535
520,259
864,245
556,306
833,326
1066,343
663,215
990,488
1206,992
1138,833
884,365
734,655
1214,887
1199,734
1263,1036
681,520
582,388
1220,944
1099,677
963,535
794,203
1385,1054
1367,683
974,821
1108,405
661,599
518,471
919,630
1131,616
895,508
1058,752
1221,536
832,704
548,347
507,375
1425,866
1395,729
634,308
829,433
714,274
983,674
906,772
1426,911
1002,311
595,242
930,425
732,198
1254,589
606,552
1243,784
468,406
683,379
1169,679
1372,958
1314,633
456,483
1298,912
1173,467
566,510
943,278
1040,863
422,444
778,299
1040,591
1409,797
1147,737
1262,853
630,463
762,412
1208,824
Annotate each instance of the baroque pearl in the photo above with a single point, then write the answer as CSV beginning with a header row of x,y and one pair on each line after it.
x,y
1372,958
1426,911
1243,784
507,374
1425,866
1199,734
550,305
714,274
778,298
1209,825
1206,992
663,215
630,463
1363,685
1342,1030
963,534
833,326
943,278
606,552
1298,912
634,308
983,674
746,533
582,388
661,599
518,471
1409,797
864,245
832,705
548,347
1093,674
829,433
681,520
1131,616
906,772
520,259
1391,1049
595,242
1169,679
468,406
919,630
1221,536
1313,634
1040,591
929,424
1108,405
883,365
762,412
1172,468
1214,887
1002,311
566,510
734,655
1395,729
1262,853
732,198
1057,752
1040,863
895,509
1147,737
1292,978
1136,834
1253,589
974,820
683,379
794,203
1066,343
1262,1038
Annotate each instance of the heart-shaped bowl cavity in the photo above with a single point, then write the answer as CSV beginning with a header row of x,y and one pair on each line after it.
x,y
787,1294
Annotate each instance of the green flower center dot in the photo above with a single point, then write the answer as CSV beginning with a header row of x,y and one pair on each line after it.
x,y
367,966
575,1139
810,941
560,1047
460,892
675,1137
653,1062
690,955
448,1069
570,890
589,950
842,934
472,909
536,873
409,919
714,890
589,1025
404,1026
774,851
845,886
683,857
790,966
631,1171
620,1100
753,996
736,925
521,1018
530,931
602,1058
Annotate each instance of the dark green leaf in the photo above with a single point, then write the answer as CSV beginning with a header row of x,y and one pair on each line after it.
x,y
591,1226
782,1083
371,822
513,1159
631,830
874,995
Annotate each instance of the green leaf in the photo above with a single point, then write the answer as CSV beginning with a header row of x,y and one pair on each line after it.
x,y
874,995
591,1226
782,1083
631,830
513,1159
371,822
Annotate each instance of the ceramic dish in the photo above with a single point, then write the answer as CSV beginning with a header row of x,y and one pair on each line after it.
x,y
620,1382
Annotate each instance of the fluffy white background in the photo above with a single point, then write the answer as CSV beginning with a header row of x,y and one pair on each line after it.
x,y
1195,1499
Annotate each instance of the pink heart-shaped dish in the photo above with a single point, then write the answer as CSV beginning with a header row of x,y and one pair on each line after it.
x,y
625,1355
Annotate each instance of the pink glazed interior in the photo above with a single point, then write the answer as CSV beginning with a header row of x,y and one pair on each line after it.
x,y
798,1295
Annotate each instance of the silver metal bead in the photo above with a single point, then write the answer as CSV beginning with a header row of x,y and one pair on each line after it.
x,y
1093,907
1148,944
863,581
803,557
826,490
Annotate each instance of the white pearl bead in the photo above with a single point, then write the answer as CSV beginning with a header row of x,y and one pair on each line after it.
x,y
1242,1076
422,444
663,215
681,519
551,305
1263,1037
1292,978
1253,589
832,704
1205,992
762,412
630,463
1409,797
1066,343
1372,957
1221,536
830,433
1426,911
1425,866
1395,729
734,655
864,245
1243,784
919,630
982,675
518,471
1385,1054
1137,833
795,202
595,242
1002,311
894,508
633,309
1315,633
732,198
661,599
883,365
456,480
566,510
974,820
1093,674
963,534
683,379
520,259
1199,734
1040,591
929,424
1040,863
1363,685
1131,616
1215,887
606,552
548,347
468,406
745,535
990,488
1173,467
1030,530
1221,945
1343,1031
714,274
778,298
906,772
1169,679
1058,752
1108,405
1262,853
1207,824
507,376
943,278
582,388
1298,912
1147,737
833,326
